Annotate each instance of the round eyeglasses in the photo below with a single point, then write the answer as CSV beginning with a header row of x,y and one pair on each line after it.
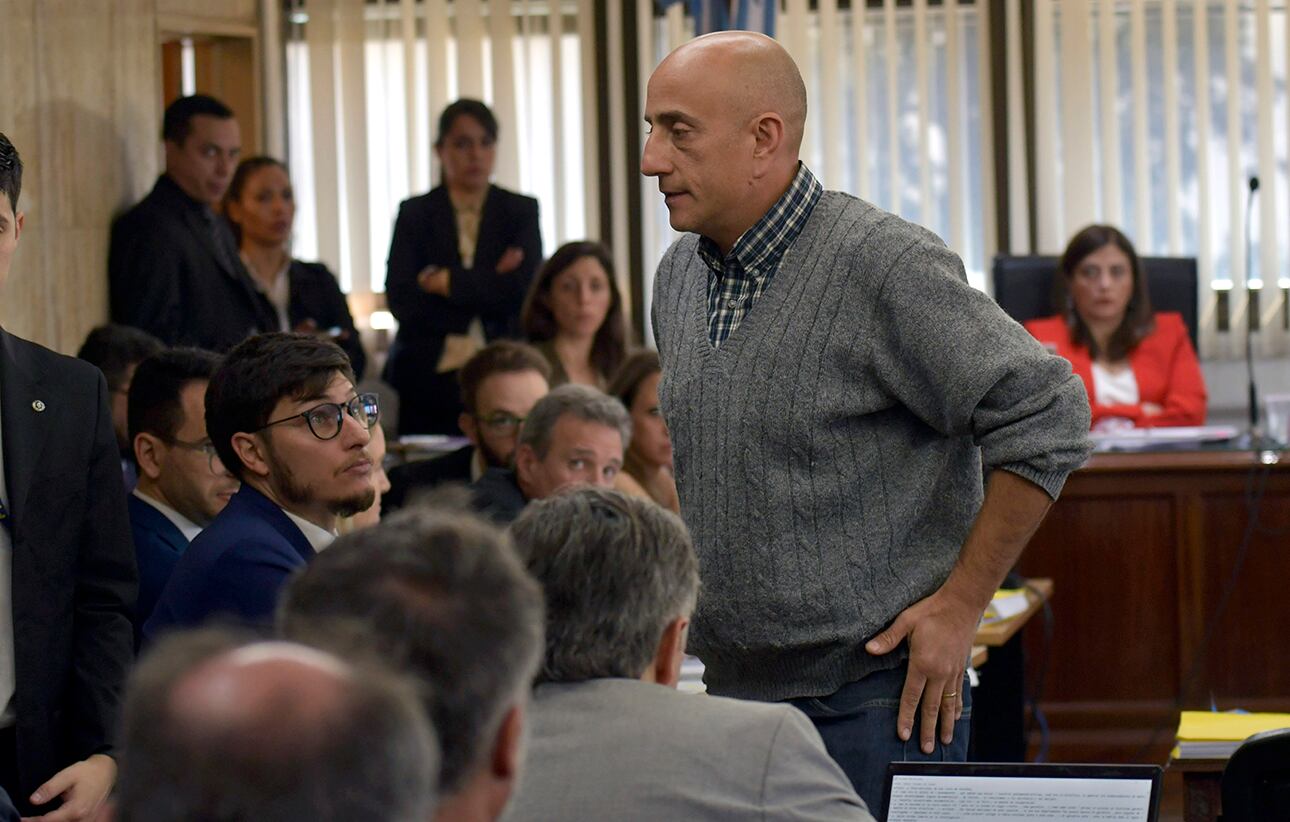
x,y
500,422
326,420
205,447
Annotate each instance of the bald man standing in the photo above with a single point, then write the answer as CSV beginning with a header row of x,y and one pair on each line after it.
x,y
834,387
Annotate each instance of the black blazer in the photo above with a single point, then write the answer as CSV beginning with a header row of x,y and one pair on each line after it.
x,y
74,576
425,233
315,295
168,277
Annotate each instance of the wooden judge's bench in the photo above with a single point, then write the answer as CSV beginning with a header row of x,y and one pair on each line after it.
x,y
1140,548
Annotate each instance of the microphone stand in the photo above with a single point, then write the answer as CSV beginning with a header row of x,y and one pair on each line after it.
x,y
1252,437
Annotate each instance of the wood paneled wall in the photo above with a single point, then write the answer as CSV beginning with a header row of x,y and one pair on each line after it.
x,y
80,96
80,89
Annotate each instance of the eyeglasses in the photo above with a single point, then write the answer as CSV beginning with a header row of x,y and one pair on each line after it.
x,y
500,422
326,420
206,447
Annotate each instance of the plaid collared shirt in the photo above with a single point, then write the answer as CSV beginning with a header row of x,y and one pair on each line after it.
x,y
736,280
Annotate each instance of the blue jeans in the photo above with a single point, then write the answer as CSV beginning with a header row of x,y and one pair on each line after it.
x,y
858,724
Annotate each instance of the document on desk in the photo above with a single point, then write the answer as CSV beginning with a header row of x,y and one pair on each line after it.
x,y
1166,437
1017,799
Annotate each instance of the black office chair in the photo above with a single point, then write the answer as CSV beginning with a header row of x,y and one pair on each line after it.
x,y
1256,781
1023,287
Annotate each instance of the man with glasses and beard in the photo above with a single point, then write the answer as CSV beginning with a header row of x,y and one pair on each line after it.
x,y
284,416
499,387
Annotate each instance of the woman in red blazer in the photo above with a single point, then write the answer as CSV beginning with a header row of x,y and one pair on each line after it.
x,y
1136,365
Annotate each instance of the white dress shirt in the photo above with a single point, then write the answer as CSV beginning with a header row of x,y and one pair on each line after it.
x,y
1114,387
187,527
319,538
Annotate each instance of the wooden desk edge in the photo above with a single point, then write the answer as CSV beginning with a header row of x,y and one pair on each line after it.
x,y
997,633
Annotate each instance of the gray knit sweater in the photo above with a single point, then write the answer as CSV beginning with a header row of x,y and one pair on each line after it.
x,y
829,454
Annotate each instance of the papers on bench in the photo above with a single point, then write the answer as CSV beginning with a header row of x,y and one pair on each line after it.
x,y
1213,735
692,676
1007,603
1151,439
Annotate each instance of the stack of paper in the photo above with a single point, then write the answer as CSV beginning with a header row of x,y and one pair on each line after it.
x,y
1212,735
1007,603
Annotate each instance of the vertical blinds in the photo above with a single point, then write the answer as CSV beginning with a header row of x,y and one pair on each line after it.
x,y
1170,107
366,83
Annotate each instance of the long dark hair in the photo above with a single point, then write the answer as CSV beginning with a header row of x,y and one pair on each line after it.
x,y
610,344
1138,322
244,171
627,381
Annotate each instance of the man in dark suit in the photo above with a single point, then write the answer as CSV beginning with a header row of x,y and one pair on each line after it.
x,y
67,573
284,417
182,482
173,265
117,350
499,386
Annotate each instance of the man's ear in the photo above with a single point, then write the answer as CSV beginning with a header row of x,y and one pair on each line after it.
x,y
469,427
768,131
147,453
526,462
251,450
18,220
666,667
508,753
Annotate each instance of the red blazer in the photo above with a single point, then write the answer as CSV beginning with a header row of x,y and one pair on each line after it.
x,y
1164,365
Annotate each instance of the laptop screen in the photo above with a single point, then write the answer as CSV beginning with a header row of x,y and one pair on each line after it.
x,y
981,792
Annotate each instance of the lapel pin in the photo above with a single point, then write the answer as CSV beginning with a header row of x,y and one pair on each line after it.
x,y
39,405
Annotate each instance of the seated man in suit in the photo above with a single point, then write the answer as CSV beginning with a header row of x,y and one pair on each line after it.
x,y
442,597
499,386
173,265
117,350
610,736
183,483
285,419
271,731
67,575
574,435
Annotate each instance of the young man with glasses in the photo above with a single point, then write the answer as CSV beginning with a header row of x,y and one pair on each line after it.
x,y
183,483
499,386
286,420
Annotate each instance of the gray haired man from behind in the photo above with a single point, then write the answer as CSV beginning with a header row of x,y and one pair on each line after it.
x,y
222,732
442,597
612,738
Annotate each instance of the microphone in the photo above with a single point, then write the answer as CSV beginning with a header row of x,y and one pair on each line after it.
x,y
1252,309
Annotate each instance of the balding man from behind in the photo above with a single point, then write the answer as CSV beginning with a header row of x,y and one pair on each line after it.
x,y
272,730
834,388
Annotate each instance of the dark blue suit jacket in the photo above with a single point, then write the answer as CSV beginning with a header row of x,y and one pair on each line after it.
x,y
234,569
158,545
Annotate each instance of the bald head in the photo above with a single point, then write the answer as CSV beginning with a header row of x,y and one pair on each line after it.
x,y
271,731
273,696
752,73
726,113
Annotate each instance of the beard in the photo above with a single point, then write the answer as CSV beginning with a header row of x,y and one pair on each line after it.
x,y
492,459
302,493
